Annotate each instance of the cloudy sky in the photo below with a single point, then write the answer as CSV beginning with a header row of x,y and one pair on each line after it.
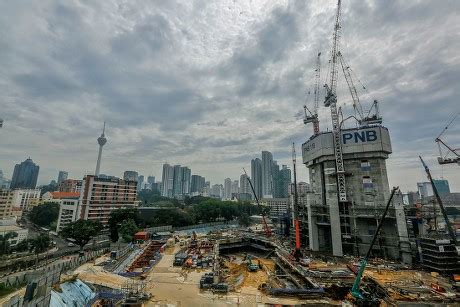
x,y
210,84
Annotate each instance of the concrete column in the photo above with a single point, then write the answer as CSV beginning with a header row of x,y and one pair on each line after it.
x,y
336,232
312,229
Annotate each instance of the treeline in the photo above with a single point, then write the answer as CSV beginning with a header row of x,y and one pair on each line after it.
x,y
192,211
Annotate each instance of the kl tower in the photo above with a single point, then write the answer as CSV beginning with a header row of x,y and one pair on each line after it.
x,y
102,141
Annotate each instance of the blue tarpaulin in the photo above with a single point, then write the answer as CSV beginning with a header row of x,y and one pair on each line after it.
x,y
74,294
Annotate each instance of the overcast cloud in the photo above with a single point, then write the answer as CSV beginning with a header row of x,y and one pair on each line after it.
x,y
210,84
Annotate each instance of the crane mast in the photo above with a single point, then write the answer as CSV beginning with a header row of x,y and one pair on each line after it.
x,y
313,117
331,101
296,208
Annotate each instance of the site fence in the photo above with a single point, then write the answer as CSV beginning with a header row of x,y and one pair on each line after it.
x,y
66,263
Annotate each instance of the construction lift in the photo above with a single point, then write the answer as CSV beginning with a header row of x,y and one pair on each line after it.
x,y
443,159
267,230
312,117
355,292
331,101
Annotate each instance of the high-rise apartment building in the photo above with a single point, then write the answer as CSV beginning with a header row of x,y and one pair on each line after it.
x,y
140,183
70,185
186,180
167,182
25,199
130,175
256,176
245,188
62,176
284,182
227,189
267,174
25,175
102,195
177,183
197,185
217,191
6,203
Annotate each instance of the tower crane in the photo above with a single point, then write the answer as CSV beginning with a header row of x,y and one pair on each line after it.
x,y
443,159
313,117
363,120
331,101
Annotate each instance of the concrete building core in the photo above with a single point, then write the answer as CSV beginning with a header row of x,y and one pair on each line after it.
x,y
348,227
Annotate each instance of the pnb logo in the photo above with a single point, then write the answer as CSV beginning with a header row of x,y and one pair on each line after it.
x,y
359,137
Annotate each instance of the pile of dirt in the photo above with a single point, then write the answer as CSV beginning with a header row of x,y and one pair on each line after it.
x,y
239,276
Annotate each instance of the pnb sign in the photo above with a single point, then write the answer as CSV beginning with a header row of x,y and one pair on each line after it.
x,y
359,136
354,141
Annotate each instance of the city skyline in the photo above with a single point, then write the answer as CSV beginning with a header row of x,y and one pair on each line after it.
x,y
54,100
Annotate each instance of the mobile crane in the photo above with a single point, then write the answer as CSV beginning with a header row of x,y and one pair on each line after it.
x,y
267,230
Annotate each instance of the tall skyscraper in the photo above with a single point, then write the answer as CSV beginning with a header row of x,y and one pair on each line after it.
x,y
256,176
227,188
130,175
140,182
25,175
267,176
167,182
186,180
197,185
276,180
102,140
151,182
62,176
177,183
235,187
244,184
442,186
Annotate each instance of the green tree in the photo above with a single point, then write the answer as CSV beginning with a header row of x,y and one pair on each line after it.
x,y
128,229
118,216
4,242
244,220
45,214
82,231
39,244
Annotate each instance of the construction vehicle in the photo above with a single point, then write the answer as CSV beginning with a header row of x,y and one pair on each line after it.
x,y
252,267
355,291
438,198
267,230
443,158
313,117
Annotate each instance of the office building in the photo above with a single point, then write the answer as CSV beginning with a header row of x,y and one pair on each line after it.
x,y
25,175
70,185
347,226
151,183
278,207
177,183
217,191
62,176
442,186
424,189
267,174
4,183
235,187
167,182
284,182
100,196
256,176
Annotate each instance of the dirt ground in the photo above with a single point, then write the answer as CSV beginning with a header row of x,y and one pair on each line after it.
x,y
90,273
173,286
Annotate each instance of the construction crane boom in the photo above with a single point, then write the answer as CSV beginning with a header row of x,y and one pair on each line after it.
x,y
331,101
351,86
443,159
267,230
438,198
313,117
